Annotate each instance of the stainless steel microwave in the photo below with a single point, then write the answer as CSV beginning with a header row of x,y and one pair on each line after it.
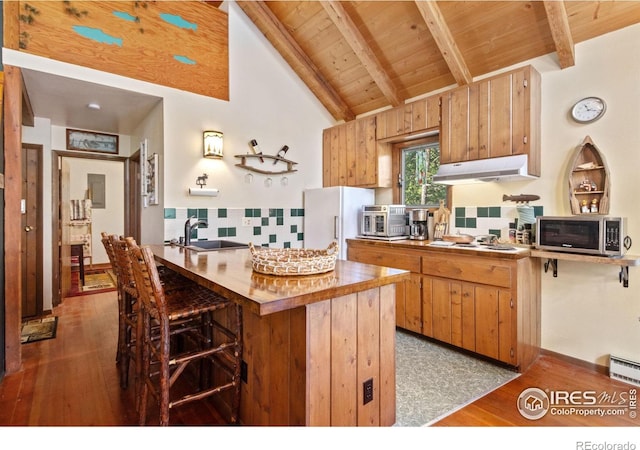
x,y
383,220
587,234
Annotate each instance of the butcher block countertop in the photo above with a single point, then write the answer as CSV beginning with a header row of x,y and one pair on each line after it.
x,y
480,250
229,272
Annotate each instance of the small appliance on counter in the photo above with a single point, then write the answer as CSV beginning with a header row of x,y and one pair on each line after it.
x,y
419,229
385,221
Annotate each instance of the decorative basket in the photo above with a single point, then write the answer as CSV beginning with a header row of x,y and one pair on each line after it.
x,y
293,261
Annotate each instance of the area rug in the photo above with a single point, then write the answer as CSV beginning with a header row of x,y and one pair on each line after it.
x,y
39,329
99,281
95,282
433,380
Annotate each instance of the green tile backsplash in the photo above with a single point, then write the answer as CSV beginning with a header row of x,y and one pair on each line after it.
x,y
270,227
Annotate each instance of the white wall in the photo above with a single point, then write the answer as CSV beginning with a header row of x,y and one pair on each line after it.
x,y
586,313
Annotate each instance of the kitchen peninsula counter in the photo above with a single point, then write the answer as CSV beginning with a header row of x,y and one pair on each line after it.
x,y
311,342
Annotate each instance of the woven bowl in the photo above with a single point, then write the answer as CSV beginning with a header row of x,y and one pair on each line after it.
x,y
293,261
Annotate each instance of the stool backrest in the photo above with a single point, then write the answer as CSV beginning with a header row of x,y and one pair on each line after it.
x,y
147,280
108,247
123,261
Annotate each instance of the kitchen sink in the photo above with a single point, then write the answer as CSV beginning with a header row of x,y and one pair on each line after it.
x,y
201,246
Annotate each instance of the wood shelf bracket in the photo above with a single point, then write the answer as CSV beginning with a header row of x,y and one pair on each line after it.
x,y
275,159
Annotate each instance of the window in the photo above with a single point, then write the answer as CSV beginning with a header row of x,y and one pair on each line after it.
x,y
418,164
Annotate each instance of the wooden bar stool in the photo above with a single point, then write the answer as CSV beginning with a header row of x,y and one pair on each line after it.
x,y
213,349
128,305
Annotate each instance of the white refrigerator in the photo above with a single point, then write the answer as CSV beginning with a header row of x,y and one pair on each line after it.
x,y
333,214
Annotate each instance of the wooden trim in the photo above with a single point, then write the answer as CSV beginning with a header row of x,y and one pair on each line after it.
x,y
12,216
561,32
604,370
444,40
349,31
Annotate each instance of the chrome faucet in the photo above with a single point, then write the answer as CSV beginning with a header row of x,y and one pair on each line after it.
x,y
188,227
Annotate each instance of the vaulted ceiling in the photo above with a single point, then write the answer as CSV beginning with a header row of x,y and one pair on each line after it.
x,y
360,56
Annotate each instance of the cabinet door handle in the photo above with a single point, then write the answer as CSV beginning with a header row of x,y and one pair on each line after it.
x,y
28,228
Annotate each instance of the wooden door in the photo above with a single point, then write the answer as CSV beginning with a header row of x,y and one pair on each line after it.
x,y
133,196
487,326
427,306
468,317
499,105
31,235
64,244
454,139
365,152
441,307
413,304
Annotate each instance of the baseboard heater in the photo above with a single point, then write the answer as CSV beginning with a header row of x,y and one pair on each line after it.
x,y
624,370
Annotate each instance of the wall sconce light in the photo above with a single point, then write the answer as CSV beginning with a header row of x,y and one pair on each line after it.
x,y
212,144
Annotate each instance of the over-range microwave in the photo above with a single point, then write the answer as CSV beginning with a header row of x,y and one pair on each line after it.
x,y
587,234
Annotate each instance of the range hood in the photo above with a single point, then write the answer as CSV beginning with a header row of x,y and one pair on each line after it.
x,y
506,168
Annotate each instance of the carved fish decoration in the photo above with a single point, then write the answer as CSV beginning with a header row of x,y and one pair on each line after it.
x,y
522,198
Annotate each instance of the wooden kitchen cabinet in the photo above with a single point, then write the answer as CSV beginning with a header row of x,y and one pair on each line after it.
x,y
487,303
474,317
490,306
352,157
409,118
499,116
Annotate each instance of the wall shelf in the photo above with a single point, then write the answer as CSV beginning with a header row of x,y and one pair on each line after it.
x,y
276,159
623,262
588,166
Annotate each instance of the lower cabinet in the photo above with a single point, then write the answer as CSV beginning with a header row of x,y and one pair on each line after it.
x,y
489,305
474,317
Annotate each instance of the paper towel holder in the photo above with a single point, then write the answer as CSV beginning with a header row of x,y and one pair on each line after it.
x,y
201,181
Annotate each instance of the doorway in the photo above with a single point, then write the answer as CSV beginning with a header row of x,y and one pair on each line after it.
x,y
111,216
31,234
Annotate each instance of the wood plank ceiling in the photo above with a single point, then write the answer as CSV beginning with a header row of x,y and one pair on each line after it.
x,y
362,56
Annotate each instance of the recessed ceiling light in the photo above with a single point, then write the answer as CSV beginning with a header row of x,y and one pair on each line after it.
x,y
93,106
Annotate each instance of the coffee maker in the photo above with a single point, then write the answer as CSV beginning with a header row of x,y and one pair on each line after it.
x,y
418,228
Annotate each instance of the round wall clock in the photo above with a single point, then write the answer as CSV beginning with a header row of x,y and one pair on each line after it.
x,y
588,109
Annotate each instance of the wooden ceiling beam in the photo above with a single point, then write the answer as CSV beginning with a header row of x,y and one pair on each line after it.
x,y
444,40
260,14
561,32
358,44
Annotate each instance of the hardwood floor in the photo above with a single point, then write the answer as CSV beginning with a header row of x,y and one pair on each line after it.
x,y
73,380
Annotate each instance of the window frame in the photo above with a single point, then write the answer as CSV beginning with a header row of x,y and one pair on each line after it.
x,y
396,164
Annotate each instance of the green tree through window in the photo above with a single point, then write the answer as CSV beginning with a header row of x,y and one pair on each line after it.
x,y
419,164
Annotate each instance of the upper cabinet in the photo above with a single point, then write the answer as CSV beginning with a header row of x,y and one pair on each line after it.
x,y
409,118
499,116
352,157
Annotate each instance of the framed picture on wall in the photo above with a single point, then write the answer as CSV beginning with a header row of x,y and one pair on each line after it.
x,y
151,175
90,141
